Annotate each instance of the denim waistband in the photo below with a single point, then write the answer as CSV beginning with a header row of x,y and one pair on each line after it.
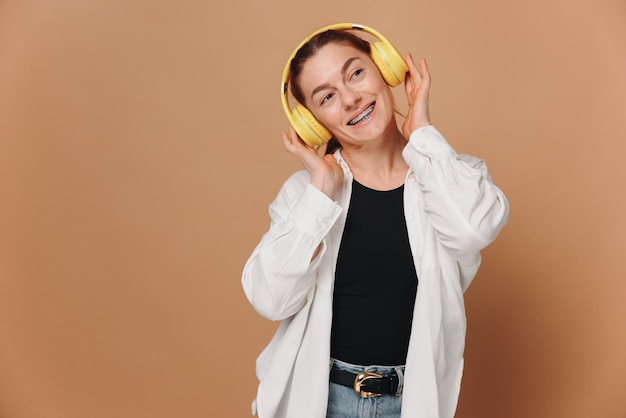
x,y
384,370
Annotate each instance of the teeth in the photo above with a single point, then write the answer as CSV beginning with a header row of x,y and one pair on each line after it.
x,y
361,115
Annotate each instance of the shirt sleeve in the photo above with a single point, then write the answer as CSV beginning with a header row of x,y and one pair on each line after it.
x,y
465,208
281,270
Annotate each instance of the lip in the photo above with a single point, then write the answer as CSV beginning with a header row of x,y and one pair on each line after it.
x,y
363,109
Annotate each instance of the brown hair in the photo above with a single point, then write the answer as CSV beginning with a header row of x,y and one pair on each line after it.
x,y
308,50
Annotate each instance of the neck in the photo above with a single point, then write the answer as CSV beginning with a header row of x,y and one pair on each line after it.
x,y
378,165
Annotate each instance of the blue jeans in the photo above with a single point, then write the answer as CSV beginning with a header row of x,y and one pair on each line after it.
x,y
344,402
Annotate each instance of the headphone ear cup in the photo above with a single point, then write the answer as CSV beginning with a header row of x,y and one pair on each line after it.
x,y
310,130
389,62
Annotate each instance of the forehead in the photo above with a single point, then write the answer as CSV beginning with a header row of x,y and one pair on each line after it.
x,y
328,63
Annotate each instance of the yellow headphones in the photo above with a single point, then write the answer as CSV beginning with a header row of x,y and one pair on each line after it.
x,y
386,57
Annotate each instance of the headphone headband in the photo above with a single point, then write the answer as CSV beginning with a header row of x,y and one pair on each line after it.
x,y
385,56
336,26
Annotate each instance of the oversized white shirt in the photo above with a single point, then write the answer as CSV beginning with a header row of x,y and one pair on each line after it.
x,y
452,210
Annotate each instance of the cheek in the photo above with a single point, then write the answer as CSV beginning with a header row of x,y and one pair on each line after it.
x,y
388,94
330,118
379,87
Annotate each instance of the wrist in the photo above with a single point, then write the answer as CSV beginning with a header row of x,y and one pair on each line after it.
x,y
325,186
408,130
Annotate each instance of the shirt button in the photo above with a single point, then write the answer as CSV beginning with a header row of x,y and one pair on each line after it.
x,y
326,223
412,178
423,146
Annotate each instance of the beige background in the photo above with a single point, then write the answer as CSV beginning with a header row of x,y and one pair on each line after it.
x,y
140,147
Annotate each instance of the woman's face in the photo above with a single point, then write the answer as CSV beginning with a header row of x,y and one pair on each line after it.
x,y
347,94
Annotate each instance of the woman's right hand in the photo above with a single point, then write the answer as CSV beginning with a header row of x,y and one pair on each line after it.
x,y
417,89
326,174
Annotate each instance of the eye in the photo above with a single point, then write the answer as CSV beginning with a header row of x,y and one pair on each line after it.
x,y
357,73
326,98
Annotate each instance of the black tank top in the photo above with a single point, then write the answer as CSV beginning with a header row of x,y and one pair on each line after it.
x,y
375,281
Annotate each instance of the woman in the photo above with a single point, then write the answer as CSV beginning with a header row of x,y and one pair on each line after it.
x,y
370,248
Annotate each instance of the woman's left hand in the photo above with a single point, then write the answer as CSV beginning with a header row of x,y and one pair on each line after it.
x,y
416,87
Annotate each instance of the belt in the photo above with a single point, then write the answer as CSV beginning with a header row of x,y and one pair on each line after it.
x,y
366,384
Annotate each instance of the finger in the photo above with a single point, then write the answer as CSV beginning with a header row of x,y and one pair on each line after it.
x,y
293,135
410,61
287,142
292,141
409,86
292,138
330,158
413,80
413,70
424,70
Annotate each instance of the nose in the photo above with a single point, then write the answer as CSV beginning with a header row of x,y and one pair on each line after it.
x,y
350,98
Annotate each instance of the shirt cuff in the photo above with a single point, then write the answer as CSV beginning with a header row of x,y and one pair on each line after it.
x,y
428,141
314,213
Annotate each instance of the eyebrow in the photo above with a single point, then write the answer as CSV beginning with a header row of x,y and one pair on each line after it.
x,y
344,68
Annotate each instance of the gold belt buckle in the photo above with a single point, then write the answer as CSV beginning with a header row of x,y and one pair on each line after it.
x,y
362,377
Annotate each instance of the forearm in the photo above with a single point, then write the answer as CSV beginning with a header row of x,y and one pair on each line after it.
x,y
282,269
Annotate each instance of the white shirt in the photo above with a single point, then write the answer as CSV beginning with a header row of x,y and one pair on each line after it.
x,y
452,210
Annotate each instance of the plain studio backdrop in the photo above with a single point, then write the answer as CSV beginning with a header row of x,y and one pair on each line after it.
x,y
140,146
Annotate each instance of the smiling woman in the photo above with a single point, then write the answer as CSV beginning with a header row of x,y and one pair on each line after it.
x,y
384,55
344,91
355,231
140,143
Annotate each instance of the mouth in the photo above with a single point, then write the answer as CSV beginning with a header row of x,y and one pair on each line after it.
x,y
363,116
